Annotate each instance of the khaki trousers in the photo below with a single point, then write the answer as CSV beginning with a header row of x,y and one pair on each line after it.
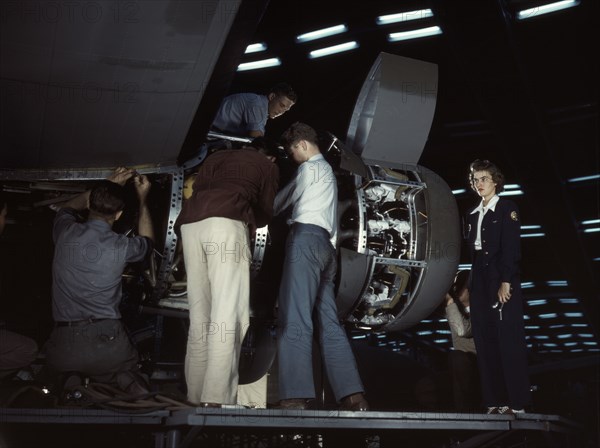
x,y
217,260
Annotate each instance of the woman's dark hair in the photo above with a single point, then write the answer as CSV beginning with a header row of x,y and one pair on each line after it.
x,y
486,165
107,198
2,201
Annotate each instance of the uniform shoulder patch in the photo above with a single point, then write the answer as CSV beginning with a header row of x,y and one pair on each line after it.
x,y
514,216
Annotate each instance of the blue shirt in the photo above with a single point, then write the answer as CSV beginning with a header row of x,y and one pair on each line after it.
x,y
241,113
89,259
313,193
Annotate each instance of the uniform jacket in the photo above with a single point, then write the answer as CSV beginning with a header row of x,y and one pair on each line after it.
x,y
500,240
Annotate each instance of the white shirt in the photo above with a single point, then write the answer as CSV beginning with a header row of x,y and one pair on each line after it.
x,y
482,211
313,193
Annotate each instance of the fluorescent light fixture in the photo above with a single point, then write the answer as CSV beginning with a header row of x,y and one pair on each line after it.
x,y
527,285
573,314
324,32
359,336
591,230
590,343
532,235
511,193
526,317
264,63
443,320
572,301
588,222
533,327
537,302
585,178
443,331
255,48
548,316
549,344
459,191
579,325
545,9
564,336
414,34
441,341
585,335
541,337
333,50
464,267
531,227
424,333
512,186
557,326
596,259
557,283
570,344
404,16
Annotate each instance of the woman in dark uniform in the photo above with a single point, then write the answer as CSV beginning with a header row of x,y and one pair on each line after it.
x,y
495,291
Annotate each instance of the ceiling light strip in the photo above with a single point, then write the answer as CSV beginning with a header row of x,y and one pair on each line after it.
x,y
255,48
511,193
545,9
327,51
320,34
414,34
585,178
264,63
404,16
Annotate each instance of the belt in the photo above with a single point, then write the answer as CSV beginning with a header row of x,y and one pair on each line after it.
x,y
78,323
311,227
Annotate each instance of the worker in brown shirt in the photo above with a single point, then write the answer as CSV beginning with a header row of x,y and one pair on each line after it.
x,y
232,195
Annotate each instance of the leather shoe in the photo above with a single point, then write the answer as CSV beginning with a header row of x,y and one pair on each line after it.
x,y
292,403
354,402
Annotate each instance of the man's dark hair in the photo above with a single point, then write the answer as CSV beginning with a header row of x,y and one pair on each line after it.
x,y
3,202
284,89
265,146
107,198
486,165
299,131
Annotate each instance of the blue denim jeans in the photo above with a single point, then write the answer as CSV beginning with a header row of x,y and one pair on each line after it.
x,y
307,291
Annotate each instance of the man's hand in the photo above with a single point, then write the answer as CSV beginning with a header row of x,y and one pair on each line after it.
x,y
142,186
121,175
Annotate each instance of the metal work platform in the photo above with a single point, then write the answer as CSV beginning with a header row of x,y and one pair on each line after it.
x,y
208,427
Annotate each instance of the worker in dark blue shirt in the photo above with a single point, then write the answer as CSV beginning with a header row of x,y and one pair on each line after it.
x,y
495,293
89,258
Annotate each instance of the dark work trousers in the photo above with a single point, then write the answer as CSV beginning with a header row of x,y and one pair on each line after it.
x,y
466,387
16,351
307,290
100,350
501,346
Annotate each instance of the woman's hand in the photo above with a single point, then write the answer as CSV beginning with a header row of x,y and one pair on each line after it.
x,y
504,293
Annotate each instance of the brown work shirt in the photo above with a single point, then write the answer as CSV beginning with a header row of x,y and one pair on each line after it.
x,y
237,184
